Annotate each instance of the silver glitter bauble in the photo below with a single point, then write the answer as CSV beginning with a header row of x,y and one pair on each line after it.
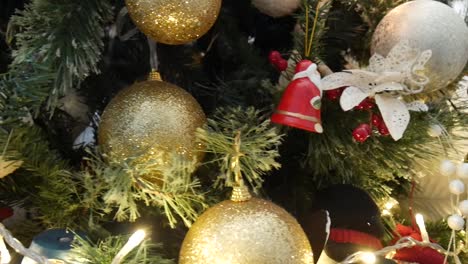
x,y
430,25
250,232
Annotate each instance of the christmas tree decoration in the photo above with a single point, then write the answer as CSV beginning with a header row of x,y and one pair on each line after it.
x,y
362,133
150,119
366,104
435,130
416,254
301,102
174,22
430,25
278,61
447,168
398,73
277,8
376,120
134,240
457,187
463,207
462,170
355,224
456,222
53,244
334,94
245,229
7,167
253,231
383,130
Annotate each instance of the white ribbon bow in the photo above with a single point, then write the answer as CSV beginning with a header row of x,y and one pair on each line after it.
x,y
386,80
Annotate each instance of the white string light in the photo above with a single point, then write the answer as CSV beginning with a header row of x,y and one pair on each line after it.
x,y
422,227
132,242
18,247
5,257
404,242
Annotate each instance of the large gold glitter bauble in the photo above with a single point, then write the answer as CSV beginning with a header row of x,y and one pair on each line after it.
x,y
174,21
251,232
150,118
430,25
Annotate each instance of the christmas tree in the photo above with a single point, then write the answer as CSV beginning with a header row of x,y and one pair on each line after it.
x,y
263,131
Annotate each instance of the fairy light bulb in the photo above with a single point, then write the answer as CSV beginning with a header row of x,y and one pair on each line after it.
x,y
132,243
368,258
5,256
422,227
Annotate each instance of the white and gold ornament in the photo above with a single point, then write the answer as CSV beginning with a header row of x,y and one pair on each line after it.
x,y
277,8
431,25
386,79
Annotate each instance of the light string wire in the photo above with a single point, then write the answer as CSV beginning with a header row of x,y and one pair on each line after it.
x,y
404,242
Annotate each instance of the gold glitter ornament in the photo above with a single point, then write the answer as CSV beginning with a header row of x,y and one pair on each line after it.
x,y
151,118
255,231
174,21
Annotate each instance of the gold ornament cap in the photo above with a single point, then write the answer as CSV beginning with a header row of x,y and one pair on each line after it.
x,y
154,76
240,193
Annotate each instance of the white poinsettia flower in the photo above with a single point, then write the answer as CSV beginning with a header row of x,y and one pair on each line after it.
x,y
386,79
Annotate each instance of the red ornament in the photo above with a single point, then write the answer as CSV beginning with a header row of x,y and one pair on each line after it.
x,y
281,65
366,104
301,101
376,120
362,132
383,130
415,254
274,56
5,212
334,94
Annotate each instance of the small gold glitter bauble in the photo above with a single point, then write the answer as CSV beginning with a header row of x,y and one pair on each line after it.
x,y
174,21
427,25
150,118
251,232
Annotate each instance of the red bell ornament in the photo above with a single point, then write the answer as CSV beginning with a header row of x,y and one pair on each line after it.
x,y
300,104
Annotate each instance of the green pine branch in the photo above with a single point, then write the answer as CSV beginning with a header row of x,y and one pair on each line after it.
x,y
102,252
259,144
65,37
127,186
313,23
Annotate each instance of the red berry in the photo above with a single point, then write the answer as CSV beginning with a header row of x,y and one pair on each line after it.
x,y
362,132
5,212
281,65
334,94
376,120
383,129
366,104
274,56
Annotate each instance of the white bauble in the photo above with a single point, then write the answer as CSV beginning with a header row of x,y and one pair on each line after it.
x,y
463,207
428,25
276,8
462,170
448,168
457,187
456,222
435,130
